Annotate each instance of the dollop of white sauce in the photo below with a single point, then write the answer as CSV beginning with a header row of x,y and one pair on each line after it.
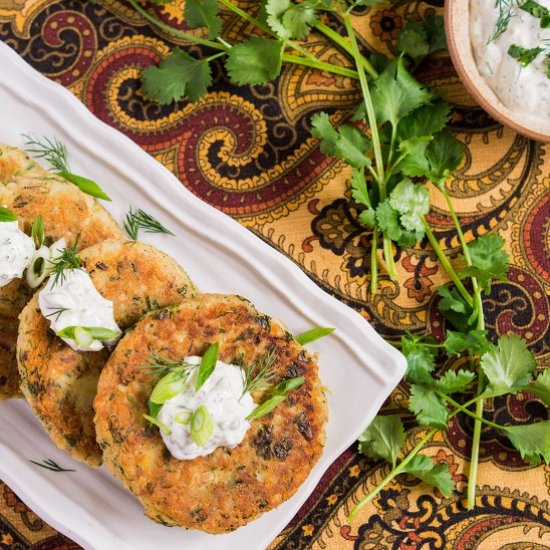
x,y
524,90
74,301
16,251
221,395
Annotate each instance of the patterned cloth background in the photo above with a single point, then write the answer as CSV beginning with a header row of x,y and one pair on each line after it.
x,y
248,152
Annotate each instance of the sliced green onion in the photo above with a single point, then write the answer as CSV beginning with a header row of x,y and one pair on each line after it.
x,y
86,185
97,333
201,426
266,407
169,386
161,426
7,215
312,335
207,366
83,337
154,408
38,232
282,388
183,417
36,272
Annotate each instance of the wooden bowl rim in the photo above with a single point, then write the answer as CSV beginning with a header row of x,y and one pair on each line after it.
x,y
460,50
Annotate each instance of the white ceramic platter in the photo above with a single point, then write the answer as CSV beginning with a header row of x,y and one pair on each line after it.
x,y
357,366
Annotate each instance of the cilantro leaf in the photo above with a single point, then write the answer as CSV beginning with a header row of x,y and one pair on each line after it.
x,y
289,20
347,142
509,364
395,93
455,309
455,382
203,13
178,75
421,38
438,476
489,261
474,341
428,407
541,387
383,439
525,56
420,359
412,201
388,221
532,441
359,190
424,121
255,61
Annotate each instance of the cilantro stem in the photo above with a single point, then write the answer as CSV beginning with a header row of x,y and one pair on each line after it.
x,y
374,262
176,32
313,62
447,264
393,473
467,411
388,256
478,304
320,65
368,100
340,41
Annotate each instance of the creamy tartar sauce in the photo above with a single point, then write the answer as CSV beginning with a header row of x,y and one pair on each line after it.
x,y
524,90
16,251
74,301
221,395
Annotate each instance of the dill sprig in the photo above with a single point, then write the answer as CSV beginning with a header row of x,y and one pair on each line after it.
x,y
49,464
55,153
259,375
50,149
57,313
68,259
136,220
163,365
504,17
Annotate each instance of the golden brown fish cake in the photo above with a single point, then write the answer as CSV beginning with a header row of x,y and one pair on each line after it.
x,y
9,376
60,383
224,490
15,162
67,212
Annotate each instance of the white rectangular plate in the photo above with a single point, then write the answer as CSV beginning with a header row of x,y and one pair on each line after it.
x,y
356,365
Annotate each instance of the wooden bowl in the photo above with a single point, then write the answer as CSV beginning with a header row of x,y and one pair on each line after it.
x,y
457,29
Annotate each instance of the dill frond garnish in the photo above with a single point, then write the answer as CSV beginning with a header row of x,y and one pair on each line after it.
x,y
57,313
68,259
136,220
53,151
163,365
260,374
504,17
49,464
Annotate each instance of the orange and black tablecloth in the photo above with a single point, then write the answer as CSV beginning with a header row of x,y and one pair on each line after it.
x,y
248,152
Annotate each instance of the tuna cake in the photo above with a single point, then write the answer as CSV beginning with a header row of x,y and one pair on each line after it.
x,y
9,377
67,213
229,487
59,382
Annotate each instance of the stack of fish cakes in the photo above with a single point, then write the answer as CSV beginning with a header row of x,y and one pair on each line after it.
x,y
92,404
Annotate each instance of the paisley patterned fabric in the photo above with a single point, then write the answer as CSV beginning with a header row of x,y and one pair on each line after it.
x,y
248,152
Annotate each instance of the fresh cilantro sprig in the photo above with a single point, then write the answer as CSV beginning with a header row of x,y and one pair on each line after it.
x,y
55,152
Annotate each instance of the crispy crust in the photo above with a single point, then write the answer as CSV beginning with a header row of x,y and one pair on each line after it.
x,y
67,212
15,162
230,487
60,383
9,377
